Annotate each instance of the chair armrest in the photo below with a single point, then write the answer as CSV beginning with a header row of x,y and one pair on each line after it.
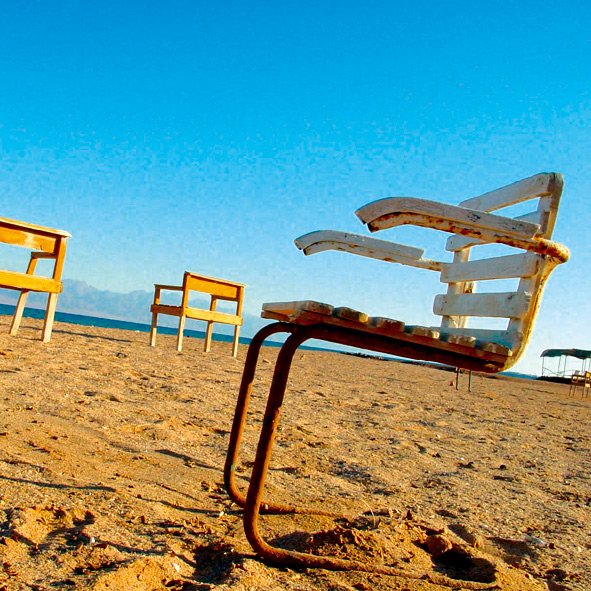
x,y
473,223
398,211
160,287
364,246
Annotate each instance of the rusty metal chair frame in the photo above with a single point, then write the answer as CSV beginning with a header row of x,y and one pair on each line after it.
x,y
253,503
453,343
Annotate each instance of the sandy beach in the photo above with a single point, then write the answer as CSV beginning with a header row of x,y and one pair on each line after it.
x,y
111,457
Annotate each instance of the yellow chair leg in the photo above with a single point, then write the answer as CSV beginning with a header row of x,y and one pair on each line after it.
x,y
18,312
179,336
49,315
208,335
153,329
235,343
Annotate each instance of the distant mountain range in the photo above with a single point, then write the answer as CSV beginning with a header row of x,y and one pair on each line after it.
x,y
78,297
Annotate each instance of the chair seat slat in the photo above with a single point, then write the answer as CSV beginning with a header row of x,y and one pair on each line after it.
x,y
350,314
298,306
482,335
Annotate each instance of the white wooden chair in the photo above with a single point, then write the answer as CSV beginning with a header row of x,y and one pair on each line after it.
x,y
218,289
530,258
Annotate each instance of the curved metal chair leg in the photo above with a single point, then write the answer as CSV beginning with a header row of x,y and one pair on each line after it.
x,y
240,413
255,505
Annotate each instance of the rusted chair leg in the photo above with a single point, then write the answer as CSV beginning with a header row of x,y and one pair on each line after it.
x,y
242,404
239,422
254,503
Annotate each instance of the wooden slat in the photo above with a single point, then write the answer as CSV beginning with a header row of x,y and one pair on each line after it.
x,y
330,239
423,331
350,314
288,308
529,188
503,267
6,222
396,211
387,324
34,241
533,217
482,335
166,309
496,348
455,243
462,339
197,314
215,287
414,335
13,280
547,211
300,318
489,305
213,316
381,250
458,242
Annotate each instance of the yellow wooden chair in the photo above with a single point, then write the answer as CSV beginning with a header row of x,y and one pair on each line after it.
x,y
530,258
46,243
580,379
218,289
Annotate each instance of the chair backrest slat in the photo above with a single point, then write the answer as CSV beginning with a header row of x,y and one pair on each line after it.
x,y
503,267
32,240
214,287
532,216
483,305
534,186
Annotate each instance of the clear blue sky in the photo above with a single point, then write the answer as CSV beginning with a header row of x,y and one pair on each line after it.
x,y
205,135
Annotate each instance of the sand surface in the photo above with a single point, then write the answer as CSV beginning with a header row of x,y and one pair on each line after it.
x,y
111,456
